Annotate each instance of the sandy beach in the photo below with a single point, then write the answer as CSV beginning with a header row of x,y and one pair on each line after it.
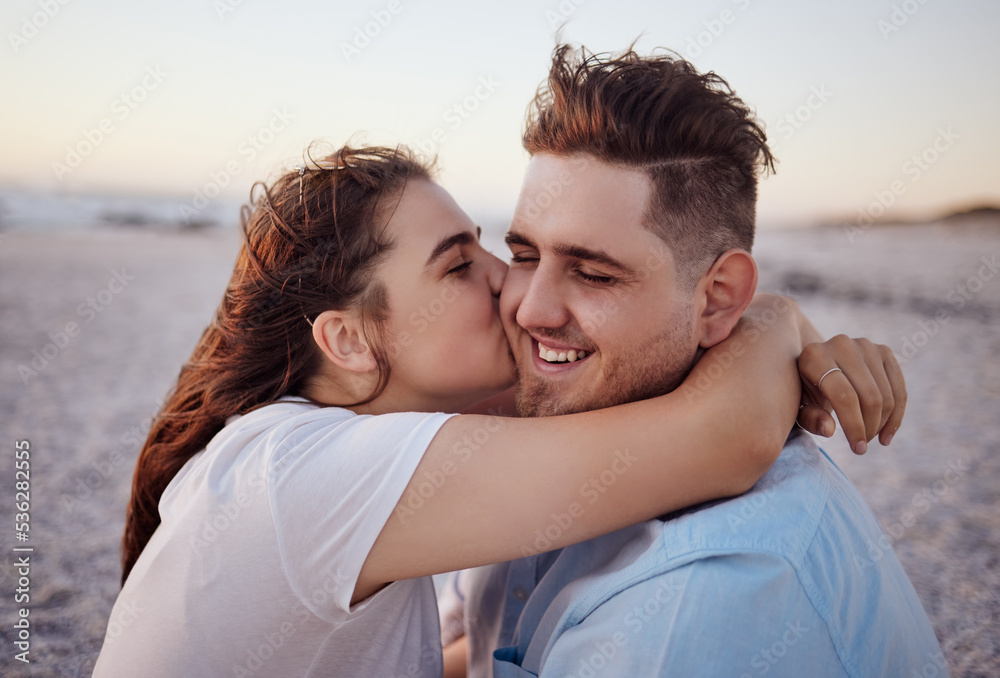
x,y
95,324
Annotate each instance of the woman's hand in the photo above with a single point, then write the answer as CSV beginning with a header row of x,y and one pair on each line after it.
x,y
860,381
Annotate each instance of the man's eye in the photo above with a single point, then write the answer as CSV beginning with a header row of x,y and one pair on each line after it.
x,y
522,259
460,269
597,279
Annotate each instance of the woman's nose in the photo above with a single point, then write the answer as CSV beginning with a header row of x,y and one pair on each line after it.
x,y
496,275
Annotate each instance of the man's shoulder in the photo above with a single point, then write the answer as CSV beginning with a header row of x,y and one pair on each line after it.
x,y
801,546
802,506
779,515
776,521
792,553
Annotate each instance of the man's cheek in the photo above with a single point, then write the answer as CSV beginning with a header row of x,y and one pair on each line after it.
x,y
514,336
597,316
510,326
510,301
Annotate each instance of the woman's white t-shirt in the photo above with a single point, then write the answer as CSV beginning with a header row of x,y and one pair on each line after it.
x,y
262,538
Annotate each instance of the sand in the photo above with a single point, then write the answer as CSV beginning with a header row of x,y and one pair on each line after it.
x,y
89,397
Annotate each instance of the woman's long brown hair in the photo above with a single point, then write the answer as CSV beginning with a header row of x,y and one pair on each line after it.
x,y
312,240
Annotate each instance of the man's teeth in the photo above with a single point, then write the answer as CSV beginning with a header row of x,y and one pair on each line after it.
x,y
551,356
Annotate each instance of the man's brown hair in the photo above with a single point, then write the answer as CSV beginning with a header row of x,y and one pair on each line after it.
x,y
700,145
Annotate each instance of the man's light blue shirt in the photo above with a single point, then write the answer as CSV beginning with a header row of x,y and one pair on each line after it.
x,y
793,578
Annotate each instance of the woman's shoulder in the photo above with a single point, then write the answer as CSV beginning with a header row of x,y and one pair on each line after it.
x,y
293,416
247,441
299,410
298,430
278,419
284,408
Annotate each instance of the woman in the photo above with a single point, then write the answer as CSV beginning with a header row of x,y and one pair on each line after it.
x,y
361,309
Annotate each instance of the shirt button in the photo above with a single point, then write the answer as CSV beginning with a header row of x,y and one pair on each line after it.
x,y
520,594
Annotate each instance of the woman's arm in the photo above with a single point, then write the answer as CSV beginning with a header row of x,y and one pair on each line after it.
x,y
455,658
504,488
509,487
501,404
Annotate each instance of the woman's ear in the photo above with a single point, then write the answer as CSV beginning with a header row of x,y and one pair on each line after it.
x,y
340,336
726,290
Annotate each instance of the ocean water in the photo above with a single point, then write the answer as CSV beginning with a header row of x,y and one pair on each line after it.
x,y
22,210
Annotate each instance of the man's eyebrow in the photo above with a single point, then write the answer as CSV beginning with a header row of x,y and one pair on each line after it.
x,y
573,252
587,254
515,238
463,238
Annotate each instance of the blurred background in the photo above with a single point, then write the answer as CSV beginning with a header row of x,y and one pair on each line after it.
x,y
132,132
112,98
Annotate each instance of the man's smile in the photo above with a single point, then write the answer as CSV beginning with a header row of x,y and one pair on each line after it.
x,y
551,358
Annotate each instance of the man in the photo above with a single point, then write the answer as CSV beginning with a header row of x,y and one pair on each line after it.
x,y
629,249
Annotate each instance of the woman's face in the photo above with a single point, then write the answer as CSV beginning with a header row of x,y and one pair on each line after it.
x,y
443,335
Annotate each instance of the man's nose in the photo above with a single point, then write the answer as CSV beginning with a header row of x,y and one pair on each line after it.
x,y
543,305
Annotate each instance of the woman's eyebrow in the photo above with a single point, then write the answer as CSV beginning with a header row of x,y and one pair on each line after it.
x,y
463,238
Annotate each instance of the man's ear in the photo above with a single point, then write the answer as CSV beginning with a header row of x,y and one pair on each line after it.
x,y
340,336
725,291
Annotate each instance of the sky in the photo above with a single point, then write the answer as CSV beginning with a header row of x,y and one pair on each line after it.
x,y
873,107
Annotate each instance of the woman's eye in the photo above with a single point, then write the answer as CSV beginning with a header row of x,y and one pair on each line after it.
x,y
461,268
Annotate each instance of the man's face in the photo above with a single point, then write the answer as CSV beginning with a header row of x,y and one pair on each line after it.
x,y
588,279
